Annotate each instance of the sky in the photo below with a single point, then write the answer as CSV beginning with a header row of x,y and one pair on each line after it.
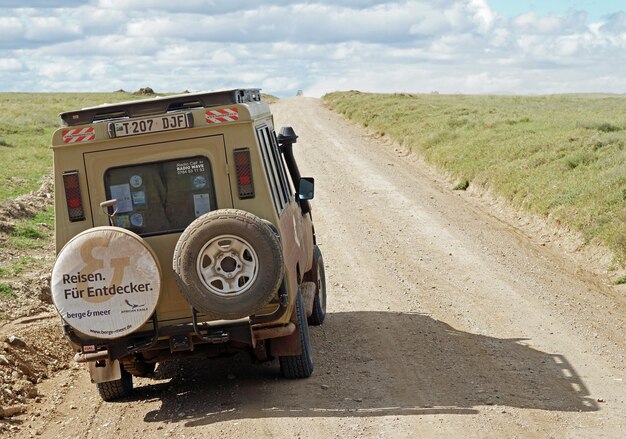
x,y
447,46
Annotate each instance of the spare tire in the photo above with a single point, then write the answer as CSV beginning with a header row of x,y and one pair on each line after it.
x,y
106,282
228,264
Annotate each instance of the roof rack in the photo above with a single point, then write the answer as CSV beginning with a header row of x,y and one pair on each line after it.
x,y
160,105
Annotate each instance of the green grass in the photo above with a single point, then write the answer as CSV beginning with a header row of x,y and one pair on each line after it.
x,y
32,232
27,122
461,185
563,157
45,218
18,267
6,290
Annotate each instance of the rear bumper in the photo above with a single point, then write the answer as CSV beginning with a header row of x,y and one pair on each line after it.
x,y
182,337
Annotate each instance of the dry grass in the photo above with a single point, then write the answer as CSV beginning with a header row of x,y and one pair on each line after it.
x,y
563,157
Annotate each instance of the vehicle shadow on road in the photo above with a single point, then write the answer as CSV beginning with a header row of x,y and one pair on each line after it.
x,y
373,364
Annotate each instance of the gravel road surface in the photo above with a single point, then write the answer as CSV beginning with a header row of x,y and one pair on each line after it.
x,y
444,321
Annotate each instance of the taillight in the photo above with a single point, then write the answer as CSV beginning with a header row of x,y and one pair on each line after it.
x,y
72,196
243,169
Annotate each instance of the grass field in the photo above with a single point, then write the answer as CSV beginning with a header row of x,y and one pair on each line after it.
x,y
563,157
27,122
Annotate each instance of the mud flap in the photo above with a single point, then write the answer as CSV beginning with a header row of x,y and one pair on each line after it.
x,y
291,345
102,373
286,346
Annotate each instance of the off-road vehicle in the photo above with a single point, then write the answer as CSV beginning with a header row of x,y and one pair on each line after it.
x,y
183,227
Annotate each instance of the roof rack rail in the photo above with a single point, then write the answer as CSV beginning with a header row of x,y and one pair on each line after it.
x,y
160,105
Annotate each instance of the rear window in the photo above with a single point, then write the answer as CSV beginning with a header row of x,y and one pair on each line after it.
x,y
161,197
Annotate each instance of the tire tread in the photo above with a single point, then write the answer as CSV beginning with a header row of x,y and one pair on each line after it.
x,y
299,366
319,312
114,390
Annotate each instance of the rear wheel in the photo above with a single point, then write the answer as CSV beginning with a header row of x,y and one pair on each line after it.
x,y
319,277
299,366
112,390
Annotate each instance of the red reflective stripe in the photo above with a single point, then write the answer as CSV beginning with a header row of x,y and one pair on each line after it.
x,y
222,115
79,135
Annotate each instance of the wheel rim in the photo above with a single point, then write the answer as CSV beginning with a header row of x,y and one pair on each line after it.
x,y
227,265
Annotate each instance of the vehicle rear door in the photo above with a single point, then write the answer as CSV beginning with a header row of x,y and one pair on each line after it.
x,y
161,188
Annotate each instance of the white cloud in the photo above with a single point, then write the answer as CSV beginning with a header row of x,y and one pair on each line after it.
x,y
9,4
11,29
482,14
500,38
10,65
469,15
567,46
306,23
51,29
414,45
100,69
615,24
532,23
195,54
114,47
53,70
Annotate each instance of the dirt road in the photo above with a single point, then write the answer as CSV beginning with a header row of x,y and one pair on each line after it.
x,y
444,321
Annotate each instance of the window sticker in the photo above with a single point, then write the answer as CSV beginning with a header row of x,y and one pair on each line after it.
x,y
189,167
162,193
136,181
136,219
201,204
199,182
121,192
139,198
122,221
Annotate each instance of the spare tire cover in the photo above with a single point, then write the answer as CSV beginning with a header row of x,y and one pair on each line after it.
x,y
106,282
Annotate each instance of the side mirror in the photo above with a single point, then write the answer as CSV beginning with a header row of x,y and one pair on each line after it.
x,y
306,188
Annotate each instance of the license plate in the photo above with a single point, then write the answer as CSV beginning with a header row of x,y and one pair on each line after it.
x,y
151,125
